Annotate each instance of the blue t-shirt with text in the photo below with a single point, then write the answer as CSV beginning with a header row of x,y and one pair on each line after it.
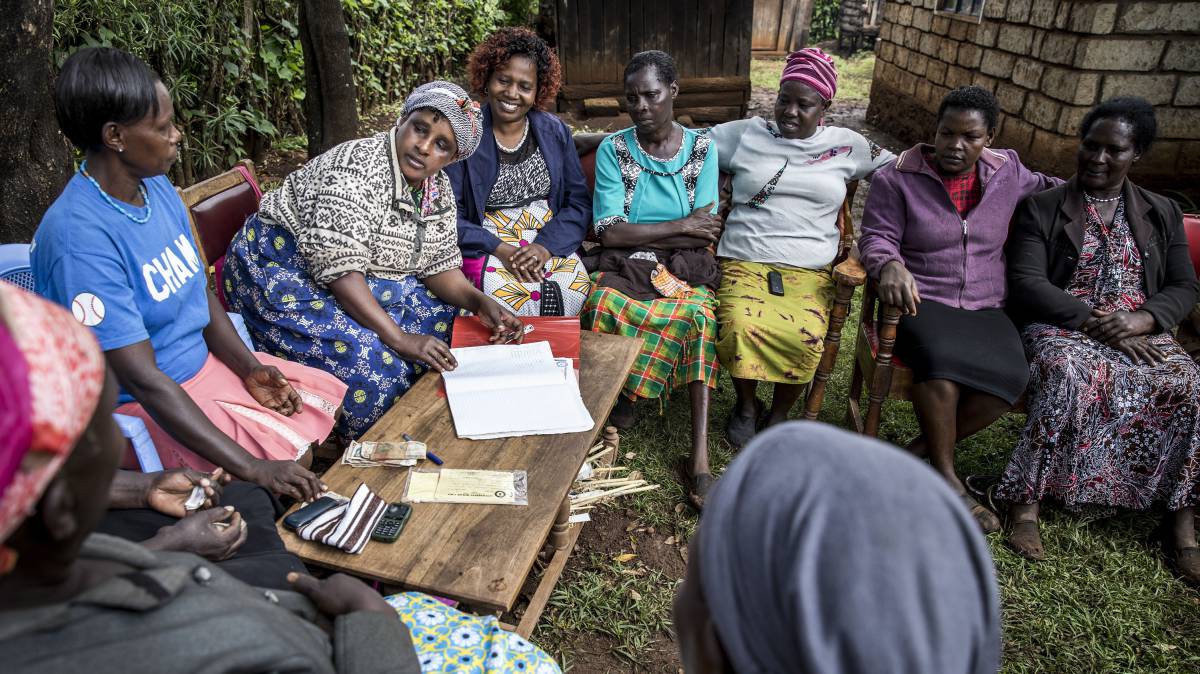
x,y
128,282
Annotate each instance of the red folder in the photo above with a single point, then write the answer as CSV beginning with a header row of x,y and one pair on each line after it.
x,y
561,331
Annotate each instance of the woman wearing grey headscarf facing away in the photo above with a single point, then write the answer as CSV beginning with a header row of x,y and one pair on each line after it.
x,y
823,551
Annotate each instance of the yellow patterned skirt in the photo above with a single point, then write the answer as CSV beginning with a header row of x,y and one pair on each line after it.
x,y
766,337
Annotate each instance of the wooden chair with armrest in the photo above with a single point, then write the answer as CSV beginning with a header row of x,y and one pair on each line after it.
x,y
217,208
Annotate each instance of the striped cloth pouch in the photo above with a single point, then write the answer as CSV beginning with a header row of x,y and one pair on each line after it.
x,y
348,526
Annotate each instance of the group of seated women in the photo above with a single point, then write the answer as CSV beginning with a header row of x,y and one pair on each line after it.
x,y
195,597
353,271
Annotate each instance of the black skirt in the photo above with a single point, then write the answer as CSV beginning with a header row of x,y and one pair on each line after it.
x,y
979,349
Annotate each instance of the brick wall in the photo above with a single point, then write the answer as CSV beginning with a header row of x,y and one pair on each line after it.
x,y
1048,62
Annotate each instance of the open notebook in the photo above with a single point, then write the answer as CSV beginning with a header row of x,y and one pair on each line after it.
x,y
505,390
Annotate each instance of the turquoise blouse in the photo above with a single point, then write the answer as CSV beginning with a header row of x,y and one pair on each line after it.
x,y
632,186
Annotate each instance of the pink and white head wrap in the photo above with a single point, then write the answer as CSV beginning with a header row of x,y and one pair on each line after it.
x,y
51,376
814,68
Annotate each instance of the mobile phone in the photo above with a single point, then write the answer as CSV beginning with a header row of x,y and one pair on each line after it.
x,y
392,523
775,283
310,512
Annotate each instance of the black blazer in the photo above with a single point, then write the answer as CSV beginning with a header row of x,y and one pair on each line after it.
x,y
1043,249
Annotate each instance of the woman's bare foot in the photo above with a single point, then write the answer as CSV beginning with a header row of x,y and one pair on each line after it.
x,y
1024,536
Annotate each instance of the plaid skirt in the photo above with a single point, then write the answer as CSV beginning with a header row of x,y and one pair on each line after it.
x,y
291,316
678,336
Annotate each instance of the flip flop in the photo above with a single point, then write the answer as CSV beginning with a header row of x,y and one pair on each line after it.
x,y
981,486
988,521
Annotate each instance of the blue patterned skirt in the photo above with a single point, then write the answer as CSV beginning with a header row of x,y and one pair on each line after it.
x,y
289,315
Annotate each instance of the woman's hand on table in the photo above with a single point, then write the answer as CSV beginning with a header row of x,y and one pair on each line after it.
x,y
1111,327
286,478
897,287
339,594
169,490
702,223
531,260
271,389
1140,350
214,534
506,328
426,349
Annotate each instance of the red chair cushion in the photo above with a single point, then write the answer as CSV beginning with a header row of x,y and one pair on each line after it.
x,y
588,161
873,342
219,217
1191,225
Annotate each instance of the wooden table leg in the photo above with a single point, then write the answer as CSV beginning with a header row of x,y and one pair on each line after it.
x,y
558,548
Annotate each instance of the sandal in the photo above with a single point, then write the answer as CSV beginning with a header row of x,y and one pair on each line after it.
x,y
1025,538
988,521
981,486
741,429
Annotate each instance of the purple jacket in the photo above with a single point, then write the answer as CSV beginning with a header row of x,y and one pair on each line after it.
x,y
956,262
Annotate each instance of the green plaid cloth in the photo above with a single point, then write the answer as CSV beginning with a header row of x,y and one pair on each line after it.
x,y
678,336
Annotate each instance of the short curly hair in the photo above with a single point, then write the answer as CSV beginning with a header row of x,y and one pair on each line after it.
x,y
972,98
505,43
1134,111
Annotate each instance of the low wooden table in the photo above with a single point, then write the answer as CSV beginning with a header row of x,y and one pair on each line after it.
x,y
480,554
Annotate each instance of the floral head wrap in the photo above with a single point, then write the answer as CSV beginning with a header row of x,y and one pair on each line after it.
x,y
814,68
52,373
456,106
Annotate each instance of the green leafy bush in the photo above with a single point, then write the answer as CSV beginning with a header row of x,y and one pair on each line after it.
x,y
824,23
235,68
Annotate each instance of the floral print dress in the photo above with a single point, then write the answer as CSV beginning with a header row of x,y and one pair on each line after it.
x,y
1104,432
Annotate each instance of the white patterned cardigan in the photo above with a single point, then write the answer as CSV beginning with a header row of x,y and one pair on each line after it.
x,y
350,210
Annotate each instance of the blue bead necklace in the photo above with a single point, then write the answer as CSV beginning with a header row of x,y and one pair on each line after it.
x,y
113,202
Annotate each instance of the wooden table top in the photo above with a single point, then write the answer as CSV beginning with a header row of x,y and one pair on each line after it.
x,y
479,554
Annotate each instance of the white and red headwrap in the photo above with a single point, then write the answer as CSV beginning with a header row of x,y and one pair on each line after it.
x,y
51,376
814,68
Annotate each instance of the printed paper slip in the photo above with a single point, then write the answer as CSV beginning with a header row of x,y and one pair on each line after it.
x,y
495,487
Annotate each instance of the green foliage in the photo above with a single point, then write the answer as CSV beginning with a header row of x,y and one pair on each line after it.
x,y
854,74
824,23
235,68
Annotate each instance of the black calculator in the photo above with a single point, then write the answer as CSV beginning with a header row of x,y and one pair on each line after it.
x,y
394,519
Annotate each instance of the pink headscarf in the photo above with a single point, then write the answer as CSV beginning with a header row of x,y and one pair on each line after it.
x,y
61,376
814,68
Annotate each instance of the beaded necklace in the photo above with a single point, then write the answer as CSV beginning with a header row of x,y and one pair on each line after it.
x,y
1098,200
113,202
524,135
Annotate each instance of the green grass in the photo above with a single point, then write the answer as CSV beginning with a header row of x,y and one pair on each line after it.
x,y
854,74
1101,602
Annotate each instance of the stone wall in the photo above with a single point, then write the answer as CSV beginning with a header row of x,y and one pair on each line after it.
x,y
1048,62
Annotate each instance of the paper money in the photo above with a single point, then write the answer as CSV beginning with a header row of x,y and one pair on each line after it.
x,y
195,499
372,453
